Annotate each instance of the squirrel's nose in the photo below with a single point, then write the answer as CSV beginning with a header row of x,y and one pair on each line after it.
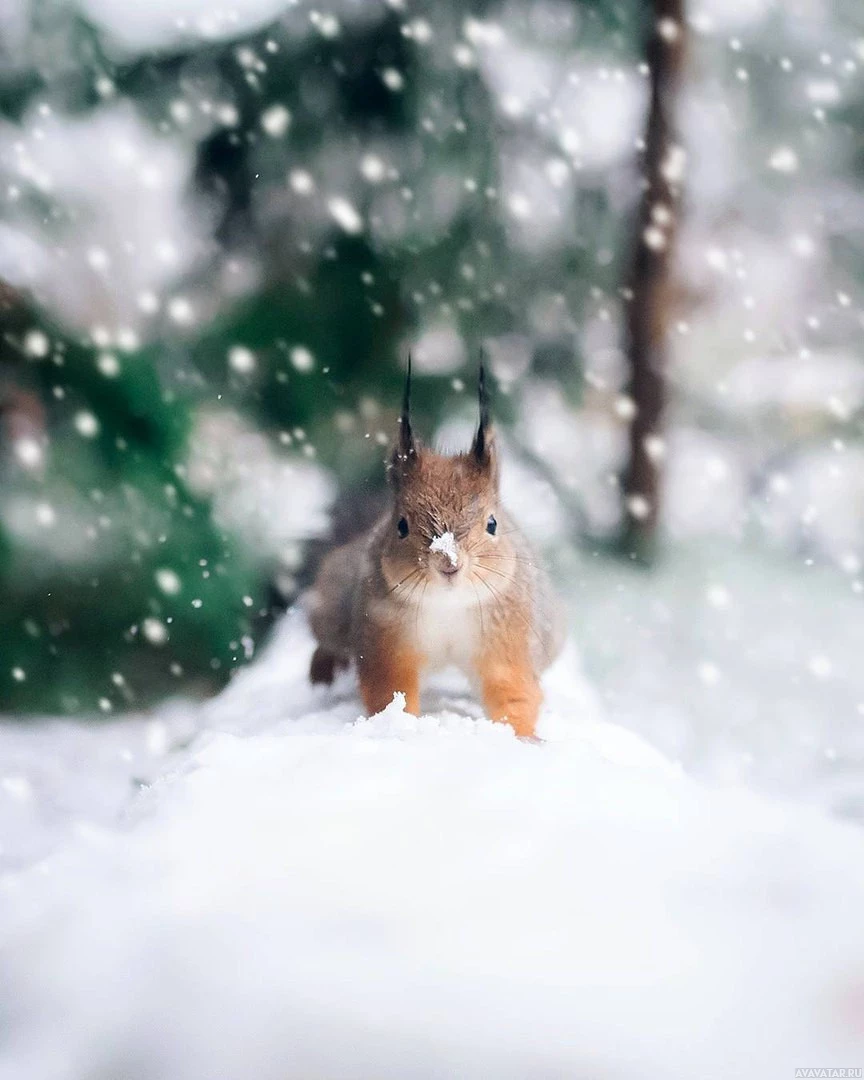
x,y
445,553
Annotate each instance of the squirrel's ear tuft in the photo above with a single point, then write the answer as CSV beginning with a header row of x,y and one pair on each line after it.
x,y
483,447
405,451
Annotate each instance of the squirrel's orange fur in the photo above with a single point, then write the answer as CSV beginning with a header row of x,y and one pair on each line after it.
x,y
478,599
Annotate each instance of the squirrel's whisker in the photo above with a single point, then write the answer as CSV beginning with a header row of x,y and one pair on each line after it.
x,y
479,607
508,558
419,606
406,600
493,570
495,596
402,582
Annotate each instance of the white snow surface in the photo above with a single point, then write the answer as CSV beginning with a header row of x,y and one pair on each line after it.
x,y
303,892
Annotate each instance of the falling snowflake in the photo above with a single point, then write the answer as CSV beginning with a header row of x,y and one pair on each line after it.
x,y
373,168
154,630
86,424
392,79
784,160
275,121
181,311
168,581
28,452
301,182
708,672
302,358
638,507
241,359
345,215
108,365
36,344
327,25
45,515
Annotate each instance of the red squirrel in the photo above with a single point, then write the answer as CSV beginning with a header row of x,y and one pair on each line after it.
x,y
445,577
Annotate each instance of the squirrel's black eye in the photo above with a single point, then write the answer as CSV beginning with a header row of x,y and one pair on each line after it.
x,y
402,526
491,525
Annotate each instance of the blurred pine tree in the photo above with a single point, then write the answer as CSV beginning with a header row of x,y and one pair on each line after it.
x,y
116,583
302,131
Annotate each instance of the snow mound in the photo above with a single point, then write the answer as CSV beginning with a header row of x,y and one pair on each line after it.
x,y
311,894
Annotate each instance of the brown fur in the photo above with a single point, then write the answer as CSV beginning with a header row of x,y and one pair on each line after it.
x,y
384,601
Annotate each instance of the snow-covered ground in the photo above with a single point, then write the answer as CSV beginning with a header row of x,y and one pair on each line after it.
x,y
268,885
300,892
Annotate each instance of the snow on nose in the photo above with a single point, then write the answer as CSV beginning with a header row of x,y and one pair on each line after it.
x,y
446,545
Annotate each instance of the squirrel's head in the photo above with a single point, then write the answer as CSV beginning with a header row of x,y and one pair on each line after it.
x,y
443,528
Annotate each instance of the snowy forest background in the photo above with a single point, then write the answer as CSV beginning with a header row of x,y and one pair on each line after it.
x,y
224,227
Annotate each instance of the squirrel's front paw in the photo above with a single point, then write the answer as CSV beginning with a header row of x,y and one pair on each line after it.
x,y
525,727
512,695
385,670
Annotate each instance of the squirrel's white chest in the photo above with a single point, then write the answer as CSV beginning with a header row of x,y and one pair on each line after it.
x,y
447,627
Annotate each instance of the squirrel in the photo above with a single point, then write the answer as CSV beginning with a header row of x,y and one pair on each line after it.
x,y
445,577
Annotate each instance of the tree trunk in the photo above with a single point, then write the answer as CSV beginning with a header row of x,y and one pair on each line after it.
x,y
648,282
